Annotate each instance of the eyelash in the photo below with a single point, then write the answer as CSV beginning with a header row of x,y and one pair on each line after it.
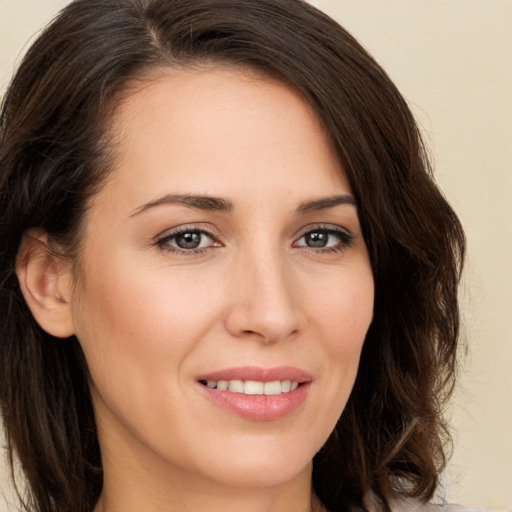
x,y
345,240
164,242
344,237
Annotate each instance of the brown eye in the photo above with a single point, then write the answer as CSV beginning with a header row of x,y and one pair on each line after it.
x,y
317,239
325,238
190,240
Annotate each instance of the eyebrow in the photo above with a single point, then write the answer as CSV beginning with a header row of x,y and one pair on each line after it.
x,y
219,204
325,203
197,202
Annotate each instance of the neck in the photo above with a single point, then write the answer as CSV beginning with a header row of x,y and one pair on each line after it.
x,y
136,482
118,496
106,504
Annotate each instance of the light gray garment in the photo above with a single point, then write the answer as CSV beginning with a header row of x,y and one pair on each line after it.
x,y
408,505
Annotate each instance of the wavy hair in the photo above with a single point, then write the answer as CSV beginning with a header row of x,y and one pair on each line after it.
x,y
54,155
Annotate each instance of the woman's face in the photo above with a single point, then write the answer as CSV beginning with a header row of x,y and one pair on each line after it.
x,y
224,251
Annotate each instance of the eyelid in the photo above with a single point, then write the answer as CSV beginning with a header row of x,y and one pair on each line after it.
x,y
333,228
346,237
163,238
184,228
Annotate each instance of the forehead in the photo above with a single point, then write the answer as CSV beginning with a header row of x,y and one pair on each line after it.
x,y
218,129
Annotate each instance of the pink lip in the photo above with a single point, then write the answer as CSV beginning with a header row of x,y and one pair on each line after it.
x,y
258,407
259,374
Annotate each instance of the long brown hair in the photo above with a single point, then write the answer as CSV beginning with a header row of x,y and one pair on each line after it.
x,y
54,156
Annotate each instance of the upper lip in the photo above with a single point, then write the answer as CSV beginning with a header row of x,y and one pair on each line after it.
x,y
259,374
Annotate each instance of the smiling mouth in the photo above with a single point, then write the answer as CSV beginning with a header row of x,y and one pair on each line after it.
x,y
259,394
252,387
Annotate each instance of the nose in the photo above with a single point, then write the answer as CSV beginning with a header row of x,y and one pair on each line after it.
x,y
264,304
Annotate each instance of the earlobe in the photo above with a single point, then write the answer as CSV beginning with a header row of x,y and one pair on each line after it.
x,y
45,282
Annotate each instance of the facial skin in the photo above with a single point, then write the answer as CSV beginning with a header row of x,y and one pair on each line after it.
x,y
152,318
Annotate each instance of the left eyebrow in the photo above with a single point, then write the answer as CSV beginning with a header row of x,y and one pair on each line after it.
x,y
325,203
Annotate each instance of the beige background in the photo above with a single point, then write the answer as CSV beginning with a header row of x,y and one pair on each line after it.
x,y
453,60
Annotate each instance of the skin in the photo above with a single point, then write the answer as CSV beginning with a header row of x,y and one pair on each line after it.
x,y
151,318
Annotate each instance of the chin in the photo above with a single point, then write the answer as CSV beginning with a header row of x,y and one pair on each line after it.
x,y
260,467
272,474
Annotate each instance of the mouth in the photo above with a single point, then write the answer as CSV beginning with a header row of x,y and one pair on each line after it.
x,y
256,393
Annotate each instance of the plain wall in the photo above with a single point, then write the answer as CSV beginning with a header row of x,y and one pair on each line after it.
x,y
452,59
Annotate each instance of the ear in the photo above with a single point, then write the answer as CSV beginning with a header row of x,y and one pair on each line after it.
x,y
45,281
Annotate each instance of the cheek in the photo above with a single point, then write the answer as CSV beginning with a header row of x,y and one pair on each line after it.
x,y
343,315
343,308
131,318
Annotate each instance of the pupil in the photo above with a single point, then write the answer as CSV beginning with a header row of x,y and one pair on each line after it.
x,y
188,240
317,239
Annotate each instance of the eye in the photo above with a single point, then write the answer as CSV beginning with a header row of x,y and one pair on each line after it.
x,y
187,240
325,238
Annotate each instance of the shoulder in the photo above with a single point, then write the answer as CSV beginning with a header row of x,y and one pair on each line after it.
x,y
408,505
401,504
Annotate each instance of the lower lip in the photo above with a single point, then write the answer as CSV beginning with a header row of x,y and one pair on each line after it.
x,y
258,407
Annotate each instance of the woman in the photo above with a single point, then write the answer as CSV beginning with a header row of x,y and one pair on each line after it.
x,y
229,281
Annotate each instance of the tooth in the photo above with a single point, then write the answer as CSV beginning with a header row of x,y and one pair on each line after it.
x,y
272,388
252,387
222,384
236,386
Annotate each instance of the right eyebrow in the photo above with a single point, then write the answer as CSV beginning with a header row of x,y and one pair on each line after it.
x,y
198,202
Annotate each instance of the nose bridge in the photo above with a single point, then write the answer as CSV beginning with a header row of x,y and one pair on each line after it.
x,y
263,301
